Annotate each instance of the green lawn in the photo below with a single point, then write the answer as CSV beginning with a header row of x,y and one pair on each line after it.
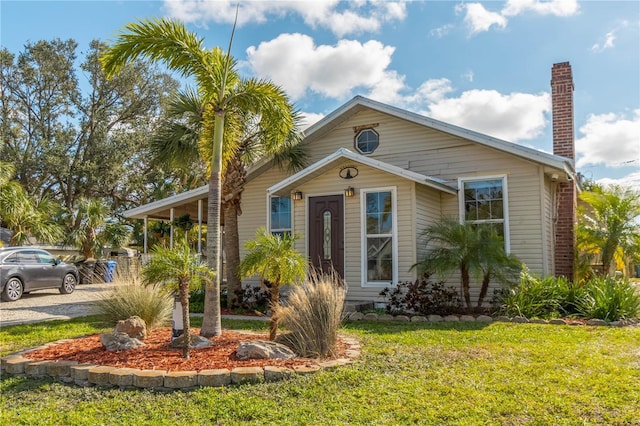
x,y
461,373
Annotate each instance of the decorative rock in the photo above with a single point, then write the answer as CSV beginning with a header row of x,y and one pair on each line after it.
x,y
195,342
502,318
521,320
36,368
118,341
385,317
216,378
467,318
451,318
356,316
434,318
261,349
557,321
99,375
484,318
275,374
134,326
148,379
240,375
401,318
327,365
371,317
60,368
180,379
304,370
596,321
538,321
419,318
122,377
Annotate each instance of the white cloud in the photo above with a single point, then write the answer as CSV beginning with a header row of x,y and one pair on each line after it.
x,y
342,18
630,180
607,44
609,139
294,62
553,7
468,76
441,31
513,117
309,119
479,19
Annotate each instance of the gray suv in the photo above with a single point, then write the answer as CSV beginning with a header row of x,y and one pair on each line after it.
x,y
25,269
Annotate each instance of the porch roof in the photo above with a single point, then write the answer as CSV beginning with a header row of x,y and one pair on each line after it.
x,y
184,203
284,187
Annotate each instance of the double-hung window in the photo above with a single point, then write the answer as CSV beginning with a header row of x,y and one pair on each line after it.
x,y
280,215
484,201
379,239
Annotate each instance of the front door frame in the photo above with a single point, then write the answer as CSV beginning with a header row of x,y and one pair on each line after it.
x,y
307,207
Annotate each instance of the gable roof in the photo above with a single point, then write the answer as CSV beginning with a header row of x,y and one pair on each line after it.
x,y
285,186
360,103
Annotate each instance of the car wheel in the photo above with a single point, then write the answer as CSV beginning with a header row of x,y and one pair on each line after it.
x,y
69,284
13,290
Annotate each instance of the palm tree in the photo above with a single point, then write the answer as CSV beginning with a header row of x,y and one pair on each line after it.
x,y
91,229
22,214
180,269
276,261
225,95
608,225
470,248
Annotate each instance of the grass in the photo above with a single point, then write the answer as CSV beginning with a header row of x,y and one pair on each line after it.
x,y
447,373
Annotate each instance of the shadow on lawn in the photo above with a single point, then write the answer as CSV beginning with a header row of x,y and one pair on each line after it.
x,y
398,327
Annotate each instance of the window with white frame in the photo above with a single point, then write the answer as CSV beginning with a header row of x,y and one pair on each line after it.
x,y
280,215
484,201
379,237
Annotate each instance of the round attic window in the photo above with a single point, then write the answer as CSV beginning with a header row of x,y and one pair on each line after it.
x,y
367,141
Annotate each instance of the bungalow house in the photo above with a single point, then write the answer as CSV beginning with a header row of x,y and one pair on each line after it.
x,y
379,175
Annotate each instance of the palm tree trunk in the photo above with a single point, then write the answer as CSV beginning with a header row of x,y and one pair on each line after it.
x,y
184,301
485,287
212,323
275,301
232,252
464,277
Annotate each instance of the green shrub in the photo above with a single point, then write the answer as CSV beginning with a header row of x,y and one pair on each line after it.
x,y
151,303
609,299
422,296
538,298
312,314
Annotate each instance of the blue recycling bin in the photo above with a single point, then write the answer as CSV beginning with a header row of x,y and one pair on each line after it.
x,y
110,271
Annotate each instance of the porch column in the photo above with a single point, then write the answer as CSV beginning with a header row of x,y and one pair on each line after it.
x,y
146,228
199,227
171,213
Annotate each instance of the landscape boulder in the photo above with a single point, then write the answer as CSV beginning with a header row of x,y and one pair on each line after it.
x,y
134,327
195,342
262,349
117,341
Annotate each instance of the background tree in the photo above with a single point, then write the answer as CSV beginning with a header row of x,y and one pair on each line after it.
x,y
275,260
180,269
609,226
68,143
23,215
225,95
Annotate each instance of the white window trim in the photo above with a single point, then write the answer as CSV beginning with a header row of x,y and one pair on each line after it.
x,y
269,197
505,202
363,237
355,141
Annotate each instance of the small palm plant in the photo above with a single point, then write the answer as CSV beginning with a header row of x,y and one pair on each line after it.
x,y
180,269
276,261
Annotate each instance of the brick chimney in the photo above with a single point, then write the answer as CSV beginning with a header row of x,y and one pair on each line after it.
x,y
563,144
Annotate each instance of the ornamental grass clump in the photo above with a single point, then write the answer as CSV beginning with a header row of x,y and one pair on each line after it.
x,y
151,303
313,316
609,299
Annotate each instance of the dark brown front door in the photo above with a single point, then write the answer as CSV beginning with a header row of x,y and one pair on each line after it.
x,y
326,233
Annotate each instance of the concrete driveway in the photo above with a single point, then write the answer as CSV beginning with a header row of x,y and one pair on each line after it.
x,y
45,305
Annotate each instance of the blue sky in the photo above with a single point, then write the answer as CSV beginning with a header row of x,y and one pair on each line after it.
x,y
480,65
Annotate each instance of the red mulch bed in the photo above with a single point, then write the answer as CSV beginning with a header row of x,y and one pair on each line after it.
x,y
157,355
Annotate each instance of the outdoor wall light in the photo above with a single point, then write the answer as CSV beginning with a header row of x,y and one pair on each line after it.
x,y
297,195
349,192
